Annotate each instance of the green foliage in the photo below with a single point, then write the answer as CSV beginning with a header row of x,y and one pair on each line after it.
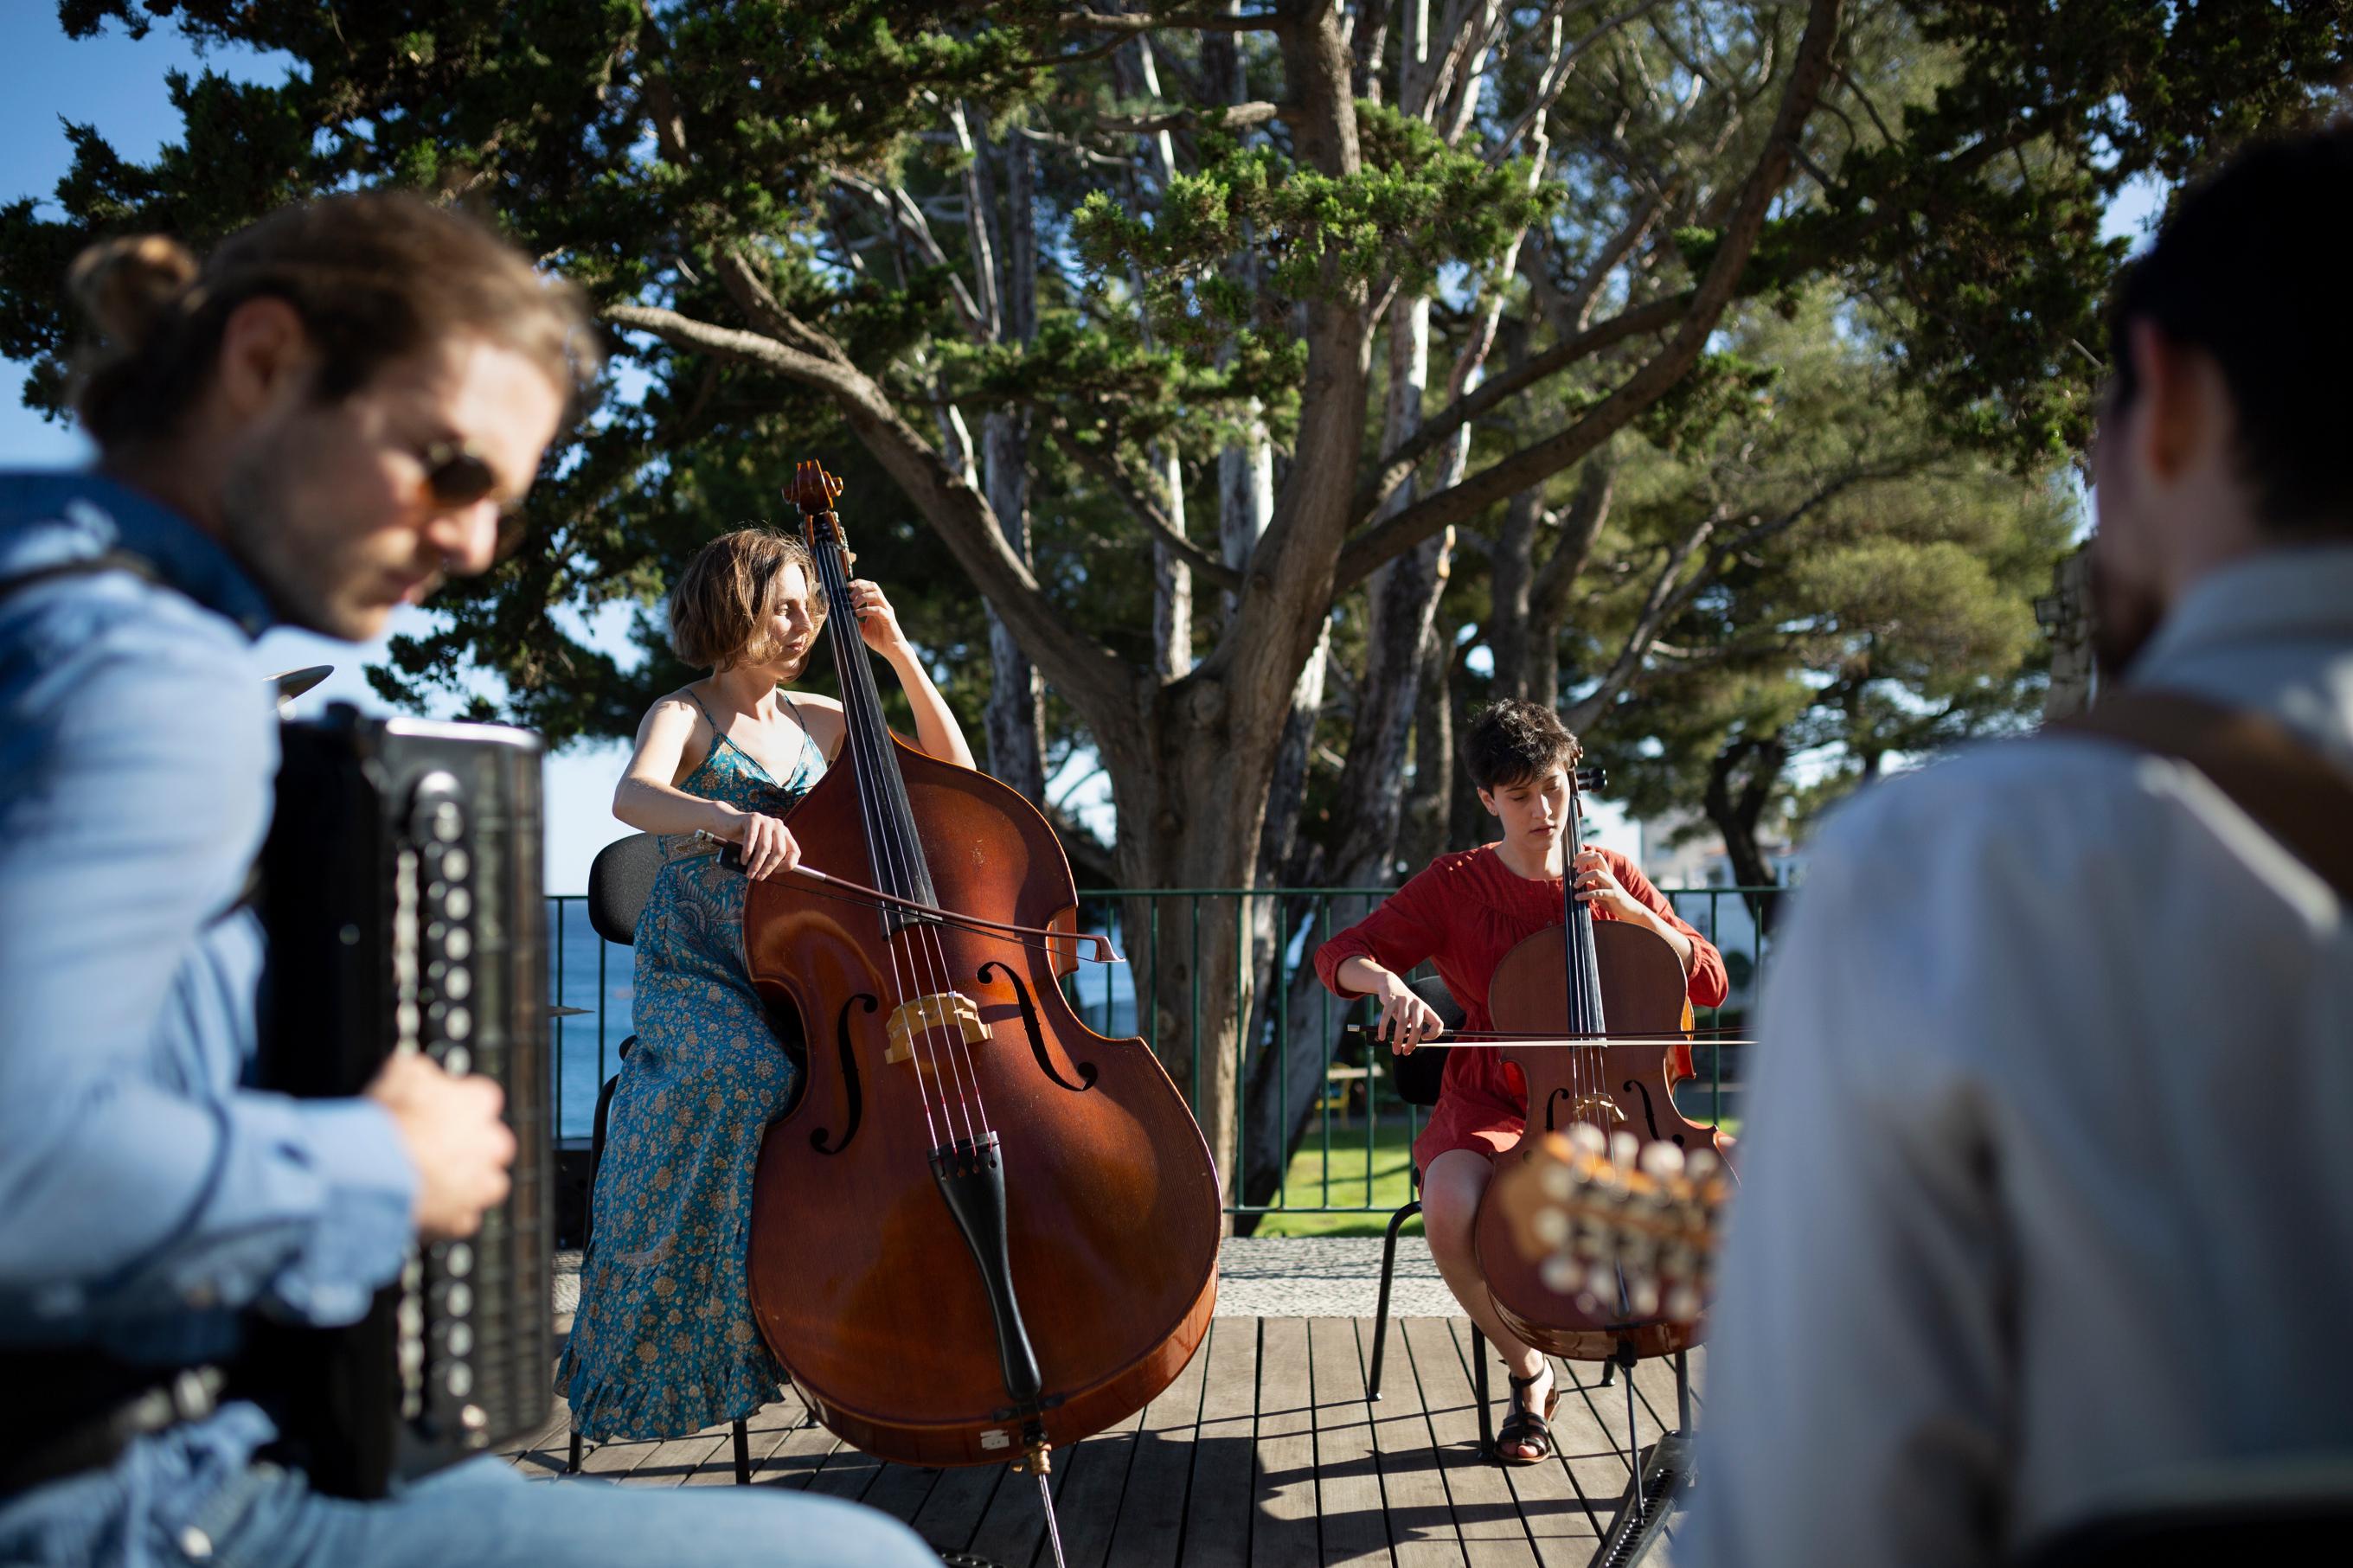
x,y
1416,206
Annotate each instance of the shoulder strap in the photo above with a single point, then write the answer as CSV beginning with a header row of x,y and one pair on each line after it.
x,y
138,565
2298,797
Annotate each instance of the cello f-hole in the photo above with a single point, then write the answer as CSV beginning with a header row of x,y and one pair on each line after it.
x,y
1649,1113
852,1088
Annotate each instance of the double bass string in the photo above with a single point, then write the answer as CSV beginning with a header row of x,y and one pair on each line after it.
x,y
884,828
860,712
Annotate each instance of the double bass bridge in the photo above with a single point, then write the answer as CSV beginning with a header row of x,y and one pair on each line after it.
x,y
949,1010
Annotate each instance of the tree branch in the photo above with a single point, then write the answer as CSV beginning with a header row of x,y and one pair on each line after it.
x,y
1096,681
1106,468
1400,462
1231,117
1662,371
1198,21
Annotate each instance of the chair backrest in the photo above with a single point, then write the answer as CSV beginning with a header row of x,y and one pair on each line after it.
x,y
1414,1077
618,880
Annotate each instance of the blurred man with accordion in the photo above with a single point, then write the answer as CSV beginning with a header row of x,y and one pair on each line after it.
x,y
320,422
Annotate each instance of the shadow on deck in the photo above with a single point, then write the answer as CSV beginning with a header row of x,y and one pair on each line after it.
x,y
1265,1452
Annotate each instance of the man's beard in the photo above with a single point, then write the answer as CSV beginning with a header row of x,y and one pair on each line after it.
x,y
2124,616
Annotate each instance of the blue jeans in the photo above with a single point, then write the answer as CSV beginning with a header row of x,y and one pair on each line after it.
x,y
478,1513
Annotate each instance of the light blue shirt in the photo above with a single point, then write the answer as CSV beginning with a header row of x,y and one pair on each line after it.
x,y
145,1194
2048,1199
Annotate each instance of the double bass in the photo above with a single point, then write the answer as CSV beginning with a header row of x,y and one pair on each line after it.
x,y
1620,986
984,1229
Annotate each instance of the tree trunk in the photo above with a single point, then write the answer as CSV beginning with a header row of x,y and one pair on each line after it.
x,y
1739,786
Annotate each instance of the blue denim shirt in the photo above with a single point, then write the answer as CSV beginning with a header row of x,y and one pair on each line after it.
x,y
145,1193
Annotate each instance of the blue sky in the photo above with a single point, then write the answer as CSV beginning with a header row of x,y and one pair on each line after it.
x,y
118,85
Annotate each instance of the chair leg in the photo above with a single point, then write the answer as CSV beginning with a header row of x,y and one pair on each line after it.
x,y
1381,1313
572,1465
1478,1391
1608,1372
743,1455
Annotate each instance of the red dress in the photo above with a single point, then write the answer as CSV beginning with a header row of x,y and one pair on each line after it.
x,y
1462,913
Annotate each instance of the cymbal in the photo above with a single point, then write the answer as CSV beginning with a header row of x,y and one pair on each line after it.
x,y
554,1012
292,683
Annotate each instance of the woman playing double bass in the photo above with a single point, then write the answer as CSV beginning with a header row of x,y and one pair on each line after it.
x,y
1463,913
664,1341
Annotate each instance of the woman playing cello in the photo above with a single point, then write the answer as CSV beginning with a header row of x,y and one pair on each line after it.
x,y
664,1341
1462,914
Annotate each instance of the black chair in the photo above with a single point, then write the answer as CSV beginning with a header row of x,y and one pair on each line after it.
x,y
1414,1078
2277,1510
619,879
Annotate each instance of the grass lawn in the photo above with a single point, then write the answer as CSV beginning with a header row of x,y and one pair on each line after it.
x,y
1391,1185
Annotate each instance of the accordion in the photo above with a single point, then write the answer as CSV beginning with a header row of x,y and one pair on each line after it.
x,y
400,887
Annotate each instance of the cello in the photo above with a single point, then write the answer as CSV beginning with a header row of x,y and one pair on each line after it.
x,y
984,1229
1578,982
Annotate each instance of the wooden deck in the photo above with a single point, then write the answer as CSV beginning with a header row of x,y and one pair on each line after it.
x,y
1265,1453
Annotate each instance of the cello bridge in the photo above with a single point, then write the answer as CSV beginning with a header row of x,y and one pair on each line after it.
x,y
940,1010
1595,1106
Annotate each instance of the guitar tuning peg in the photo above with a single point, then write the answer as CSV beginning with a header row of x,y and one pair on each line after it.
x,y
1642,1296
1552,1227
1701,1164
1561,1275
1558,1183
1682,1304
1589,1139
1661,1161
1623,1148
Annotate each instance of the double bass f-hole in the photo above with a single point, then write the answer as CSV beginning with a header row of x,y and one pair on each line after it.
x,y
821,1137
1087,1072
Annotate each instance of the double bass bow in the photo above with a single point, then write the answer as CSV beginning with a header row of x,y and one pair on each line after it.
x,y
984,1229
1601,981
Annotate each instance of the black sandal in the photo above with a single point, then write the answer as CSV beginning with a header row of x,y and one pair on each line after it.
x,y
1523,1425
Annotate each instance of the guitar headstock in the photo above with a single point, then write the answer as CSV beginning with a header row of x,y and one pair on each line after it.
x,y
1597,1210
814,490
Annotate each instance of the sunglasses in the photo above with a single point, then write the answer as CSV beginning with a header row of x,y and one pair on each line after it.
x,y
457,476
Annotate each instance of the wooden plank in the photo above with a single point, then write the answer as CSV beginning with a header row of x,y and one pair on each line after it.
x,y
1355,1528
901,1490
546,1451
672,1461
1151,1525
1561,1526
958,1501
1218,1509
1087,1504
1285,1536
1592,1435
1485,1512
789,1454
1012,1529
1421,1521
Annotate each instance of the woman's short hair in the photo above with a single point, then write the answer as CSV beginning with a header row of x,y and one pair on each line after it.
x,y
374,276
719,605
1512,742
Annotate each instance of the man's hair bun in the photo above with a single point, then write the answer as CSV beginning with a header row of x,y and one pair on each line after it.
x,y
127,286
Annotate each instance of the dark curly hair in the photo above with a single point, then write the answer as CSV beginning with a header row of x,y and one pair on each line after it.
x,y
1512,742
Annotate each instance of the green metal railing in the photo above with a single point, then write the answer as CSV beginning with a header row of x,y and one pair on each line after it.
x,y
1351,1109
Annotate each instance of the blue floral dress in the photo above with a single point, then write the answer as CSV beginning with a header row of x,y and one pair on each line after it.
x,y
663,1343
